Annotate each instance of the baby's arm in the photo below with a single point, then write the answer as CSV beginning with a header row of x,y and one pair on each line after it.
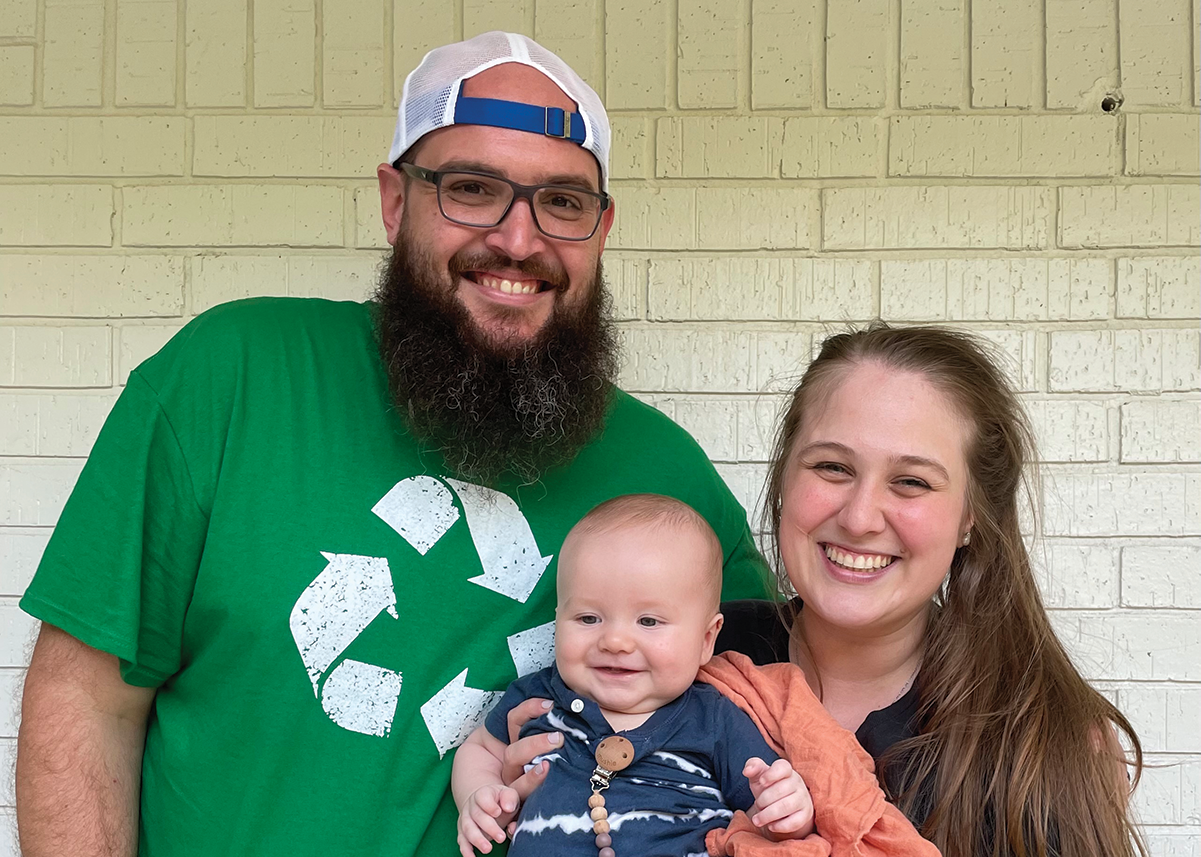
x,y
783,808
485,803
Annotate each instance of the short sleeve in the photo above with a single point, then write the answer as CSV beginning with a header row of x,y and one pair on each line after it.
x,y
739,740
534,684
119,570
745,574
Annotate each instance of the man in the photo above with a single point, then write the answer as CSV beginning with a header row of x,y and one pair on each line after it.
x,y
313,540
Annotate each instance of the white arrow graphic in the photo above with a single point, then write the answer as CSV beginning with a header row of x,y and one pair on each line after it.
x,y
329,614
420,508
513,565
453,712
533,649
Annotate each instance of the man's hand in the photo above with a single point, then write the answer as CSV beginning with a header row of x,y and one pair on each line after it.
x,y
783,808
79,752
483,815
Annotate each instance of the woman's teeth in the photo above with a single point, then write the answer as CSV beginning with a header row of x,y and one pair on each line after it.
x,y
857,561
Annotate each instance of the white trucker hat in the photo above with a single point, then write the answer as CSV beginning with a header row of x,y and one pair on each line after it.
x,y
433,97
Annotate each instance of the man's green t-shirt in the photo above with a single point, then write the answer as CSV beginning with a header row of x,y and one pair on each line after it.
x,y
325,612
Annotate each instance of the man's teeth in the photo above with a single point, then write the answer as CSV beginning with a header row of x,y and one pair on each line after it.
x,y
510,287
857,561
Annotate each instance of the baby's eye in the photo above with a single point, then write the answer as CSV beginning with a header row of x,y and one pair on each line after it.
x,y
588,619
648,621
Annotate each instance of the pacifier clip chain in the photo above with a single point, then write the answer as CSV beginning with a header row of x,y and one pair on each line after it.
x,y
614,754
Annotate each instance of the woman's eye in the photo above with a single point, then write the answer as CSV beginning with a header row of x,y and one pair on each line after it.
x,y
648,622
912,483
830,467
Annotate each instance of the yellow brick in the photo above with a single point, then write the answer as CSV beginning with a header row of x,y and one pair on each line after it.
x,y
75,356
137,342
935,217
217,279
571,28
783,33
625,278
481,16
56,215
932,57
857,35
1133,216
369,228
215,46
1082,52
629,155
1006,52
91,286
636,54
328,146
284,42
825,147
709,50
16,75
719,147
146,52
1155,51
1159,287
1162,144
18,19
775,289
1004,146
653,217
92,146
753,218
353,46
410,43
995,289
73,53
232,215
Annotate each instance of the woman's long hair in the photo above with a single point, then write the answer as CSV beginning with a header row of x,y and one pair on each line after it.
x,y
1017,754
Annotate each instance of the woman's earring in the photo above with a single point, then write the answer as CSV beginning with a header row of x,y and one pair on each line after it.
x,y
967,538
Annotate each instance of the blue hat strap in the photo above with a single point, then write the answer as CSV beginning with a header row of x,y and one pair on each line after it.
x,y
551,121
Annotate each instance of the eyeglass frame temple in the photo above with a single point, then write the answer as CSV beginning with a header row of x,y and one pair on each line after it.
x,y
520,191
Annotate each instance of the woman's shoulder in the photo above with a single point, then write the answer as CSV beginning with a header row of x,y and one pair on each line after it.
x,y
756,628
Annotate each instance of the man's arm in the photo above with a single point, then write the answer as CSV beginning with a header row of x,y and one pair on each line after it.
x,y
79,752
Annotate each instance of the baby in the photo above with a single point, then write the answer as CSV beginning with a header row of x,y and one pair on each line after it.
x,y
651,760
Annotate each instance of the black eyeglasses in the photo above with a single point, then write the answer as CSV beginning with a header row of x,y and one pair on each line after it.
x,y
484,200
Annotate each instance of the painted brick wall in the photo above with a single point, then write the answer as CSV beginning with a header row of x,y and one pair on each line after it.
x,y
781,167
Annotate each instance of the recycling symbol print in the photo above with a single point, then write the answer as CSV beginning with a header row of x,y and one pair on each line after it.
x,y
352,590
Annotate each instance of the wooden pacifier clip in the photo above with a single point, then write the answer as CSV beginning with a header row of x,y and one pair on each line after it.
x,y
613,754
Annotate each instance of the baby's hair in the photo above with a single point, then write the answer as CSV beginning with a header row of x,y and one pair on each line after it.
x,y
655,511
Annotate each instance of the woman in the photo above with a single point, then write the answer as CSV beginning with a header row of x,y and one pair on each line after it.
x,y
893,503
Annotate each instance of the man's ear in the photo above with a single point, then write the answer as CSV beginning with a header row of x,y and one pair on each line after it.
x,y
606,224
391,199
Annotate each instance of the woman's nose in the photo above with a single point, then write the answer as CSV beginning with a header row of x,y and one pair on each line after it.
x,y
863,511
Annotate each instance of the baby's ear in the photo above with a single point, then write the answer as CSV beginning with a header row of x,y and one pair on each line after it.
x,y
711,636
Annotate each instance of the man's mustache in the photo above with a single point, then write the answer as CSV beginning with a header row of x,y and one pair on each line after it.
x,y
533,267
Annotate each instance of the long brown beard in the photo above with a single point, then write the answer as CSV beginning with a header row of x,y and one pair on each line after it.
x,y
492,407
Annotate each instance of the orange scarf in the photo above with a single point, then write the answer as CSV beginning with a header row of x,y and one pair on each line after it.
x,y
850,811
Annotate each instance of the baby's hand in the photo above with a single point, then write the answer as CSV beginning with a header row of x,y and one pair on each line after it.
x,y
782,806
483,817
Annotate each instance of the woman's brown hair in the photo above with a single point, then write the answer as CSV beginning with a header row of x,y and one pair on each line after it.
x,y
1017,754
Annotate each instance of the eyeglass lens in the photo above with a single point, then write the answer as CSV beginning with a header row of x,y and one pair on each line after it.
x,y
477,200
